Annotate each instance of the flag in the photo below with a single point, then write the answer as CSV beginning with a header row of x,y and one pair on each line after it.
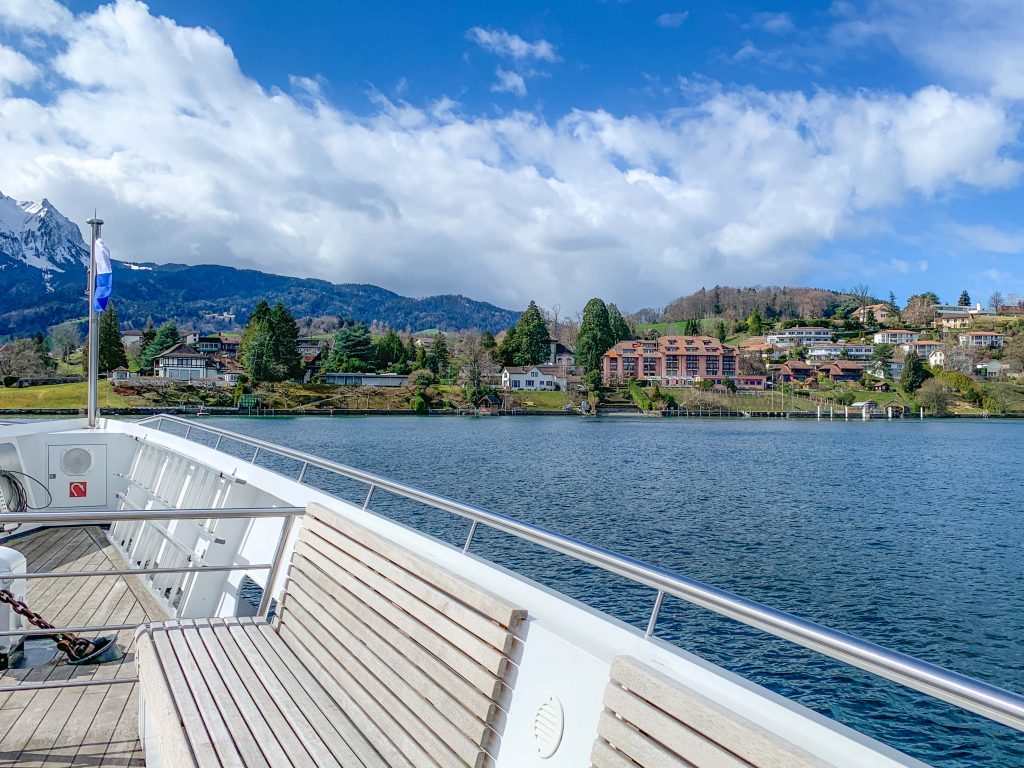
x,y
104,276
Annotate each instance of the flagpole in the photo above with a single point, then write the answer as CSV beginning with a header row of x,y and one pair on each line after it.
x,y
94,329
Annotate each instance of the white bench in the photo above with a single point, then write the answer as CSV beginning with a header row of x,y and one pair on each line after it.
x,y
651,720
377,657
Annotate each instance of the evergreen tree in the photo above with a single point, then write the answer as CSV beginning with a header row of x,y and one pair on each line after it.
x,y
389,350
964,300
620,328
720,332
284,333
165,337
595,336
148,334
42,348
487,340
692,327
882,356
755,324
257,352
112,354
410,350
532,342
506,351
914,373
353,349
440,358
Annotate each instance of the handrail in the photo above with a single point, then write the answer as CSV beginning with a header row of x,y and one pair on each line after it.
x,y
97,516
968,693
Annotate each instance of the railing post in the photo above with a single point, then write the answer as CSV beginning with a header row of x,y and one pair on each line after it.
x,y
275,567
188,432
654,614
369,496
216,446
302,474
255,454
469,536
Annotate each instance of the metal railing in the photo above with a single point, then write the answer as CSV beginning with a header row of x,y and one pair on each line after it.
x,y
968,693
95,517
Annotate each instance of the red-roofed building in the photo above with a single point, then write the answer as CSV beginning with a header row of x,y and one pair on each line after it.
x,y
674,361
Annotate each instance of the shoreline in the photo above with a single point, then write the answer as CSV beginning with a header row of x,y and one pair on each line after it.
x,y
614,414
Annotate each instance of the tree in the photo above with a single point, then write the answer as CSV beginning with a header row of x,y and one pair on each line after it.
x,y
506,350
353,349
920,309
440,358
870,320
996,301
27,360
720,332
532,341
111,353
914,373
755,324
882,356
487,341
935,396
256,352
595,337
477,363
964,300
619,327
165,337
284,334
389,350
65,339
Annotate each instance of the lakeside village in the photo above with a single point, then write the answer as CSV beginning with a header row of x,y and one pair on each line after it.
x,y
869,357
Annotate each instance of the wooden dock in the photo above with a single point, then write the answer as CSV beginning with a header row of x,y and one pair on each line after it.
x,y
85,726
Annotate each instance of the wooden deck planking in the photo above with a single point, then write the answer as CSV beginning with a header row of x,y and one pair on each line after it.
x,y
76,726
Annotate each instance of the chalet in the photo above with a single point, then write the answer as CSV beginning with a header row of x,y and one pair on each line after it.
x,y
842,370
794,370
184,363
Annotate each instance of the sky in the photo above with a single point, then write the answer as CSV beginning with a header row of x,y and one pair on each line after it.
x,y
633,150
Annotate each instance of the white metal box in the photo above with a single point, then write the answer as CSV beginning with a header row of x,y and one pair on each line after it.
x,y
77,475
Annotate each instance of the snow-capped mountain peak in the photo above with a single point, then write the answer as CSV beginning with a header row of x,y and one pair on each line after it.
x,y
40,236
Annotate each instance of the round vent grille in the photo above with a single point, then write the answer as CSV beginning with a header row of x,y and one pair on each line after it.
x,y
547,727
76,461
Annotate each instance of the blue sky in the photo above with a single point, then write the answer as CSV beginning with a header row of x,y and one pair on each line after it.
x,y
634,150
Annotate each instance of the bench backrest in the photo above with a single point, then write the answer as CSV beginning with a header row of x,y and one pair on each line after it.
x,y
418,657
651,720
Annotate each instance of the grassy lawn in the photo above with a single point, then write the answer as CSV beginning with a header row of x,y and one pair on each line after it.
x,y
542,401
63,396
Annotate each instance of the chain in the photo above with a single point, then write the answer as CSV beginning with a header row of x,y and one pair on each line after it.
x,y
73,646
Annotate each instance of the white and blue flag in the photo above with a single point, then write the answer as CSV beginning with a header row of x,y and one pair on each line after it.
x,y
104,277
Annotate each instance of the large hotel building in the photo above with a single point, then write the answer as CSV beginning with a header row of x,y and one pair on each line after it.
x,y
671,360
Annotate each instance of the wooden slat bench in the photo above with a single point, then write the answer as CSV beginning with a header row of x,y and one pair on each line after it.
x,y
377,657
651,720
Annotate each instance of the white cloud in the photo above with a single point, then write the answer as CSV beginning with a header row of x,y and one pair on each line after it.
x,y
188,159
991,239
503,43
509,82
47,16
974,42
15,69
672,20
776,23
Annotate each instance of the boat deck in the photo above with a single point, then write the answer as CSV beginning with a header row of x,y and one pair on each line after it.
x,y
85,726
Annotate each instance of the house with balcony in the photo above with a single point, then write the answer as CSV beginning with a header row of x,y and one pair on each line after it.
x,y
183,363
881,312
981,339
793,370
841,351
953,321
673,361
896,337
841,370
922,347
800,336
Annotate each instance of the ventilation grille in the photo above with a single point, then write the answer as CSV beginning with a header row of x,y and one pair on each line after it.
x,y
547,727
76,462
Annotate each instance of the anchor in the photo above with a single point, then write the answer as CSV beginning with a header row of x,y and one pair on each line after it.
x,y
79,650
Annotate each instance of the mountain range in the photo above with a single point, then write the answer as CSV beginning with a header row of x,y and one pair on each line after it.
x,y
43,261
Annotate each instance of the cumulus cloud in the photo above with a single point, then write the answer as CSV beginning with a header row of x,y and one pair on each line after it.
x,y
188,159
503,43
509,82
45,16
672,20
776,23
15,69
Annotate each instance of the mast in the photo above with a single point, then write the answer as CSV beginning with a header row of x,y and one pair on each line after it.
x,y
94,328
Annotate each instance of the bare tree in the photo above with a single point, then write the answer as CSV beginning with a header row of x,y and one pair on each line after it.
x,y
996,300
861,293
551,319
65,339
919,311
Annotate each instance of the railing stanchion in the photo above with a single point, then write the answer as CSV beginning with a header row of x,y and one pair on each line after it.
x,y
654,614
302,474
188,432
275,567
216,446
369,495
255,454
469,536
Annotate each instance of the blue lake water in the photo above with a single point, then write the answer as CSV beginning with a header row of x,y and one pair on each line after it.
x,y
908,534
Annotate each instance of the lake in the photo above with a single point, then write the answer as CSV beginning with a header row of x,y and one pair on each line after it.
x,y
907,533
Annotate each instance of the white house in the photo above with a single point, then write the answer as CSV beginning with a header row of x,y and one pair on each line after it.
x,y
546,378
937,359
183,362
922,348
980,339
131,337
896,337
821,352
799,337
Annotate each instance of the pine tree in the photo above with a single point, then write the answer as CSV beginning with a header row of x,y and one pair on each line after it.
x,y
720,332
284,333
620,328
506,351
389,350
914,373
595,336
532,342
257,351
165,337
964,300
112,354
353,349
755,324
439,355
